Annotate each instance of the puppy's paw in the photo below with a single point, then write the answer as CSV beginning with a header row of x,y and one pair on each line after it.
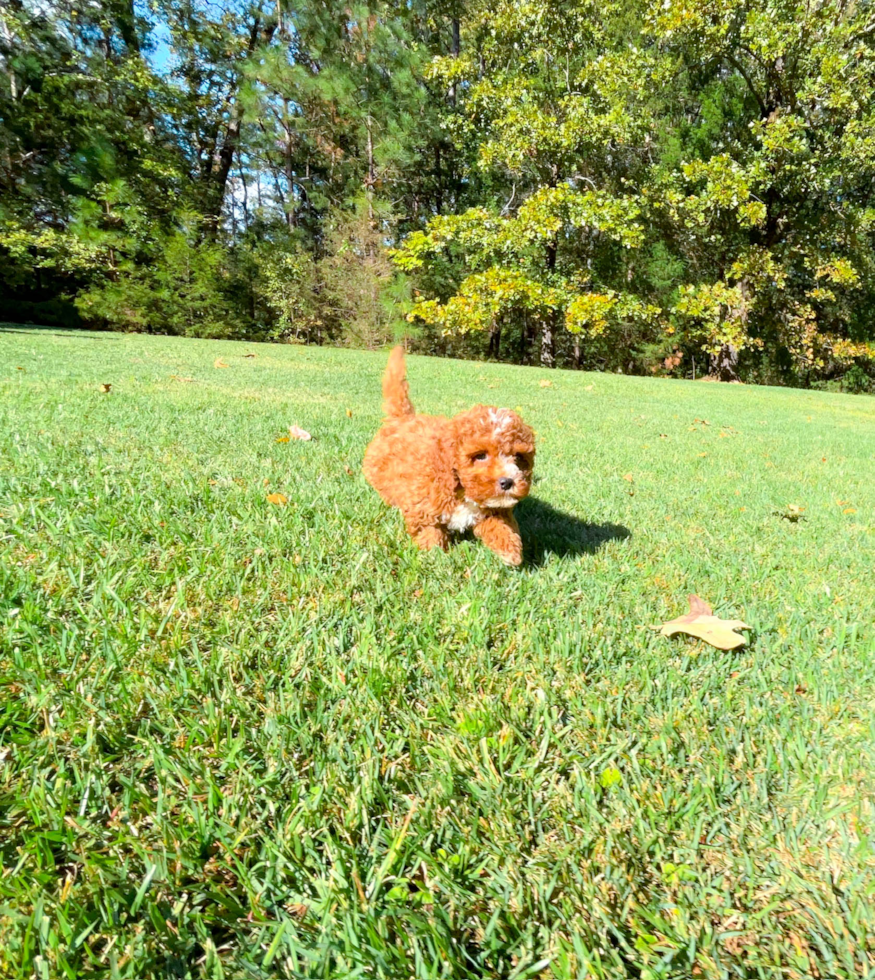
x,y
499,532
427,538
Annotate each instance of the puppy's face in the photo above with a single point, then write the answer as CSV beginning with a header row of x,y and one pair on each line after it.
x,y
495,453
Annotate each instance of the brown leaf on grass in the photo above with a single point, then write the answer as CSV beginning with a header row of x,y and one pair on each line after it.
x,y
19,369
629,478
283,439
249,355
106,387
219,363
280,499
701,622
176,377
546,383
849,510
296,432
349,413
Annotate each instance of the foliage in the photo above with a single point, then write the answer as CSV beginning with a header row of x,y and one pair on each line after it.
x,y
599,185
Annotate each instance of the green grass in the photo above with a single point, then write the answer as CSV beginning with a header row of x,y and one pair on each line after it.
x,y
242,740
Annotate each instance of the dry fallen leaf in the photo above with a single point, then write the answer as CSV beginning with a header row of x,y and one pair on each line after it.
x,y
280,499
249,355
701,622
106,387
629,477
546,383
296,432
219,363
792,513
19,369
349,413
283,439
348,470
176,377
849,510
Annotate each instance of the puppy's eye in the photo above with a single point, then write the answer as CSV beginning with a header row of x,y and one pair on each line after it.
x,y
523,461
479,457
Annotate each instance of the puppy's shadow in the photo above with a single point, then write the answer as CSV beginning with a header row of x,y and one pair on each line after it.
x,y
547,531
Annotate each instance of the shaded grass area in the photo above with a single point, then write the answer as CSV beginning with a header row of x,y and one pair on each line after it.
x,y
241,740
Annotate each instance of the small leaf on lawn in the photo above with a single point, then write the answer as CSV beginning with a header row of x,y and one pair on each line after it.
x,y
629,478
701,622
249,355
106,387
792,513
280,499
849,510
546,383
611,777
283,439
296,432
349,413
219,363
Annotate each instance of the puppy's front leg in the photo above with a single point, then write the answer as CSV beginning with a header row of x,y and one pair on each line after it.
x,y
429,537
500,533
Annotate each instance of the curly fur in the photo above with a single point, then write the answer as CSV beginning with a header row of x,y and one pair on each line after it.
x,y
448,475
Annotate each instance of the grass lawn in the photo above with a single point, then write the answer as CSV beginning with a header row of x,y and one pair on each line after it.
x,y
245,740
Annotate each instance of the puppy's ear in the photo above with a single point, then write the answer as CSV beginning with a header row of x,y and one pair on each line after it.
x,y
453,449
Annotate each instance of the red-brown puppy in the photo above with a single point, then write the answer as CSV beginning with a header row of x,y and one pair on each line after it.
x,y
448,475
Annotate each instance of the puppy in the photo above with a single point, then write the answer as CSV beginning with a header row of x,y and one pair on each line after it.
x,y
447,475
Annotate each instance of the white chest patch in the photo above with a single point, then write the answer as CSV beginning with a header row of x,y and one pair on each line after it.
x,y
464,515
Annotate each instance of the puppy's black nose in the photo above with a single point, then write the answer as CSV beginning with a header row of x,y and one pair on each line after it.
x,y
505,483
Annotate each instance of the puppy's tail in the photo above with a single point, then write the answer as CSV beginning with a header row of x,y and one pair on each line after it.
x,y
395,401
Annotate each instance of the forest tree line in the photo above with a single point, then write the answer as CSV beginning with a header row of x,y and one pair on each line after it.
x,y
676,186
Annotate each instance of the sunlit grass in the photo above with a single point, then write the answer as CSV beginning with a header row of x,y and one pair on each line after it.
x,y
246,740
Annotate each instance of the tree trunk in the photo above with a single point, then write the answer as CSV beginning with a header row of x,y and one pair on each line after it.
x,y
457,47
369,189
438,180
576,353
548,341
548,345
724,364
224,157
494,347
